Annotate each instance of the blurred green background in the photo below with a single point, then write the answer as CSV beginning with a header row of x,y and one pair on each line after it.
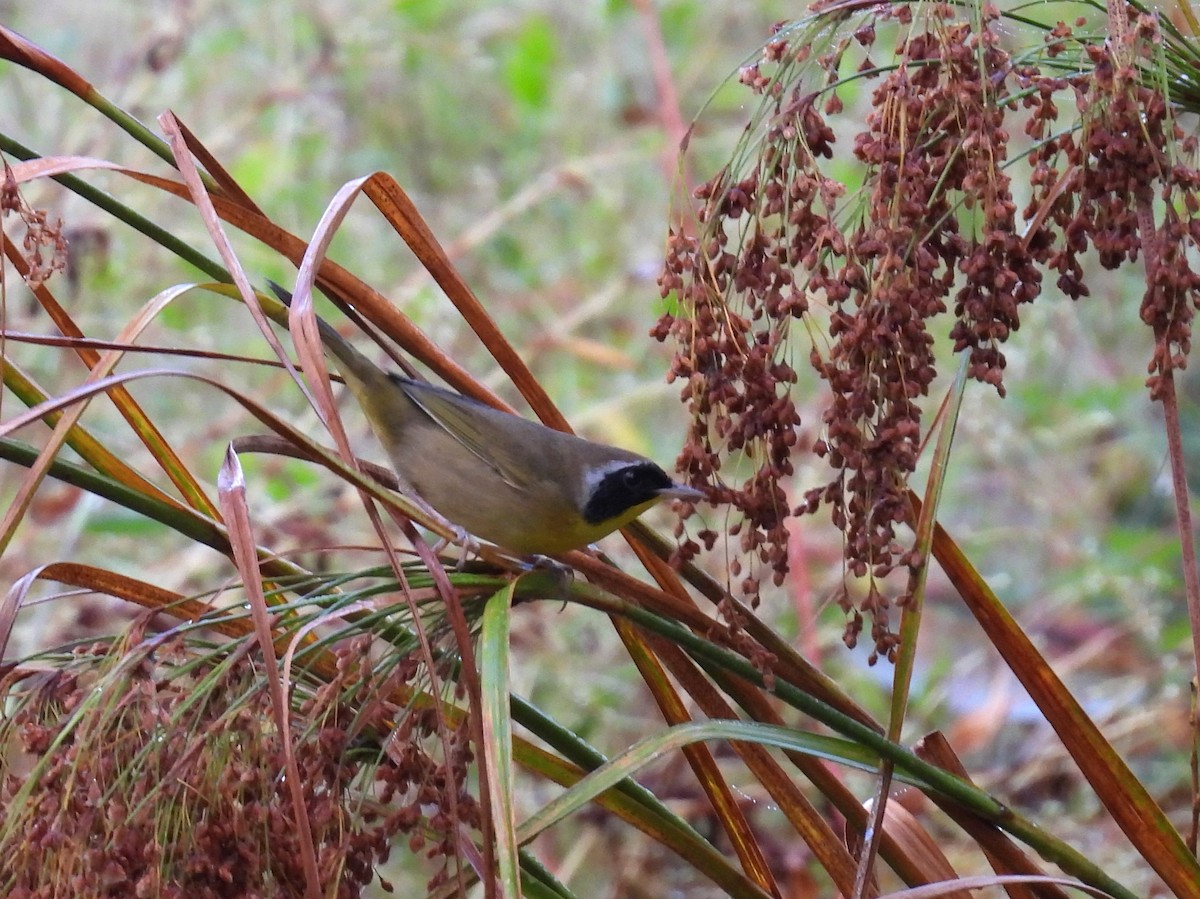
x,y
529,135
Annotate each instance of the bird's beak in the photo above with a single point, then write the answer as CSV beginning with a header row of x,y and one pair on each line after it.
x,y
679,491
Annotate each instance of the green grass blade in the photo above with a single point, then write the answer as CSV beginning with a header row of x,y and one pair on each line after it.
x,y
497,728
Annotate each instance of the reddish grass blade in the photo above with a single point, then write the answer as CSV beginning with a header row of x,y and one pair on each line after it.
x,y
231,488
1125,797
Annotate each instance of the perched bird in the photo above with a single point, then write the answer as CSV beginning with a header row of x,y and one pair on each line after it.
x,y
518,484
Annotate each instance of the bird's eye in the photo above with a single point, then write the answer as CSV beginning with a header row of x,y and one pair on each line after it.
x,y
632,477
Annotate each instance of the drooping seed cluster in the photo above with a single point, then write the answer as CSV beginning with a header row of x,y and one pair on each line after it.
x,y
733,358
43,233
136,780
1124,183
932,226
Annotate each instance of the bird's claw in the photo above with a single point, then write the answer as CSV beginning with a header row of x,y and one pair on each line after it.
x,y
563,575
462,539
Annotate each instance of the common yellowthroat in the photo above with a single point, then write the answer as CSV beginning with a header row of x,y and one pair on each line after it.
x,y
507,480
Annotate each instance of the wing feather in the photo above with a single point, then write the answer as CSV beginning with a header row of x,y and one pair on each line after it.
x,y
476,427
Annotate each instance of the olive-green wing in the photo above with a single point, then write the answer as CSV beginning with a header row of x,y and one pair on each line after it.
x,y
486,432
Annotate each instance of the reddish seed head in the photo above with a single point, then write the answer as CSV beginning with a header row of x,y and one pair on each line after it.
x,y
938,230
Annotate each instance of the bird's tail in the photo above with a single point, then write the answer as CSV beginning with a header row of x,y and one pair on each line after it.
x,y
354,365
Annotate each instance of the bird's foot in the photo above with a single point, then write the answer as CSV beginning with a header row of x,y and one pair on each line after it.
x,y
468,545
563,575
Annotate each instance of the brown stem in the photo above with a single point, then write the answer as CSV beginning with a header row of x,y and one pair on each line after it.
x,y
668,97
1183,511
1152,253
669,114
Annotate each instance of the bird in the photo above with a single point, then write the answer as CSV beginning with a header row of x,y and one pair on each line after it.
x,y
515,483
